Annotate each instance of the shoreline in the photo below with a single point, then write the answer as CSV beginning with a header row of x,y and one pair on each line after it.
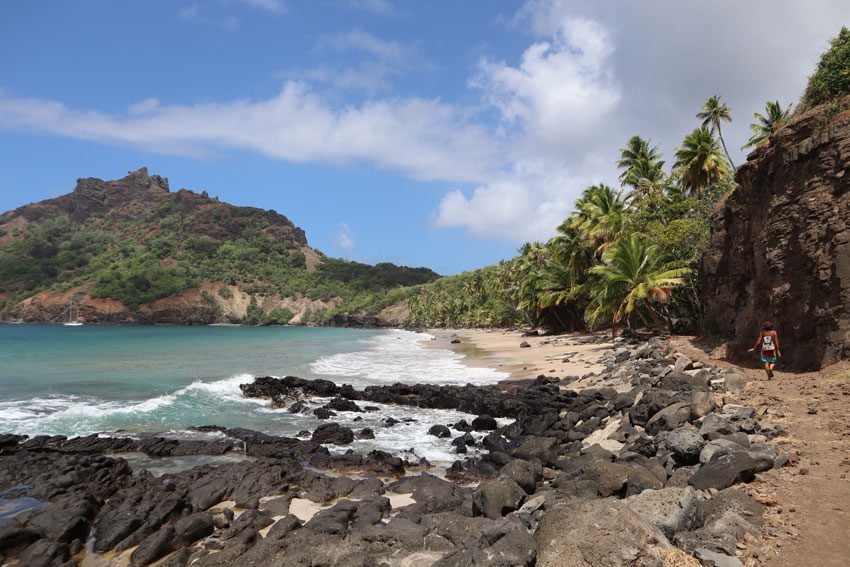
x,y
624,465
576,355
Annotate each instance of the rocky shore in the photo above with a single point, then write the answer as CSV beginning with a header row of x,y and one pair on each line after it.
x,y
648,466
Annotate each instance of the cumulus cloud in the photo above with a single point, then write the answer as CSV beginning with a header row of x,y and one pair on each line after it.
x,y
344,238
561,87
525,204
552,101
422,138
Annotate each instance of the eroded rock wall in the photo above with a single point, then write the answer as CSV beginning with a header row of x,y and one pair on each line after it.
x,y
780,245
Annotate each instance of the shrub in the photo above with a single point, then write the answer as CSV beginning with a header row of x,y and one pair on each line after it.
x,y
224,292
277,316
831,79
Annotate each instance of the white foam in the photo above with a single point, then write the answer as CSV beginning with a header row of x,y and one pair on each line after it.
x,y
76,415
398,356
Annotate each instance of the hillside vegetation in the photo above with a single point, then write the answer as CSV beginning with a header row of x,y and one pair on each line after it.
x,y
629,256
135,241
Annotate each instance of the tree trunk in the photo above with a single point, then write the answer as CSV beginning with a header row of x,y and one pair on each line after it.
x,y
723,143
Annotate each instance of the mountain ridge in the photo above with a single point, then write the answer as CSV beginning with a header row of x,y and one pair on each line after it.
x,y
132,251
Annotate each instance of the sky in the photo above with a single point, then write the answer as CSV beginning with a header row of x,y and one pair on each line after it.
x,y
440,133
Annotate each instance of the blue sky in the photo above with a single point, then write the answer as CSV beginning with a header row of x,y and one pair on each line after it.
x,y
434,133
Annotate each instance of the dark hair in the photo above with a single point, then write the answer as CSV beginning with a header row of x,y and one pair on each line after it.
x,y
767,326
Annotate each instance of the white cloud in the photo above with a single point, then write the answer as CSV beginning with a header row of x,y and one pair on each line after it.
x,y
422,138
359,40
552,102
526,204
561,88
385,60
146,106
344,238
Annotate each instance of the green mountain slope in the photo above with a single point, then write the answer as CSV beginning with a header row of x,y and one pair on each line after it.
x,y
131,250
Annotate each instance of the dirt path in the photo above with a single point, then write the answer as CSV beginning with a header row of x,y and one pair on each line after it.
x,y
808,522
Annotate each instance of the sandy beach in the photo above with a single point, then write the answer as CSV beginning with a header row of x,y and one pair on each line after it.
x,y
576,354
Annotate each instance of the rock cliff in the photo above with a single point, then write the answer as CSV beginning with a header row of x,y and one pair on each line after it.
x,y
780,247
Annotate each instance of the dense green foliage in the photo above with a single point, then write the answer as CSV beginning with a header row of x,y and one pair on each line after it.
x,y
152,248
623,257
831,79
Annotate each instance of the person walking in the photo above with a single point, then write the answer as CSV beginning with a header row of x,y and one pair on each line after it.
x,y
768,342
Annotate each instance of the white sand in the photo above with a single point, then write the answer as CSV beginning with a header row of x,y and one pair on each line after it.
x,y
556,355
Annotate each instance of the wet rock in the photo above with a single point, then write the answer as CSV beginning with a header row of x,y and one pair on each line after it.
x,y
333,433
464,440
153,547
341,404
439,431
44,553
323,413
192,528
484,423
366,433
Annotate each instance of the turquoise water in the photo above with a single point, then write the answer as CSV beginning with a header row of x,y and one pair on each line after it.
x,y
70,381
131,363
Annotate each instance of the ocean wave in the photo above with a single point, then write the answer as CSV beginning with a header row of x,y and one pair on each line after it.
x,y
83,415
399,356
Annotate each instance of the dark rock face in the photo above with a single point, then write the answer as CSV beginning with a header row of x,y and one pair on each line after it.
x,y
780,247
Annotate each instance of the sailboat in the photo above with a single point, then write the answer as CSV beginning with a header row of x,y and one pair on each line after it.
x,y
73,317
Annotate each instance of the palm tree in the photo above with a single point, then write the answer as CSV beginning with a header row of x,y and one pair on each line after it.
x,y
772,120
642,165
699,160
713,111
632,280
599,216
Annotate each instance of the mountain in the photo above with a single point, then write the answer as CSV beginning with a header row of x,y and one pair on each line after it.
x,y
133,251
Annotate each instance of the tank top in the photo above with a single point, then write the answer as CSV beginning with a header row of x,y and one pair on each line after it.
x,y
767,343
